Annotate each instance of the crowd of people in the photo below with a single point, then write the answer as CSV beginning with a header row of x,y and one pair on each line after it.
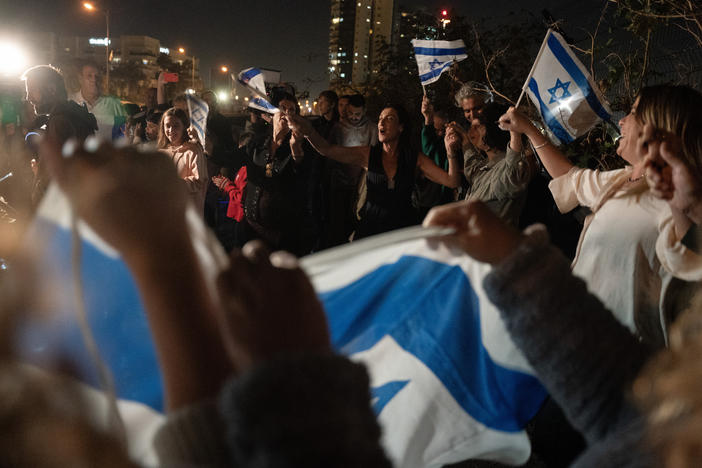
x,y
600,333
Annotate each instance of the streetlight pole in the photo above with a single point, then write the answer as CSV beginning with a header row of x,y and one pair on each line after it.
x,y
192,59
107,52
90,6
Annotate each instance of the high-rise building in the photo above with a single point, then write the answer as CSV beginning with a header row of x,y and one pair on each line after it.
x,y
359,31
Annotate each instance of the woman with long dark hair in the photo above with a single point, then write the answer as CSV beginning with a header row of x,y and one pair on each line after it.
x,y
391,165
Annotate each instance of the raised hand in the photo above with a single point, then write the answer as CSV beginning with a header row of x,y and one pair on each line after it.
x,y
427,110
479,232
670,176
270,307
120,192
515,121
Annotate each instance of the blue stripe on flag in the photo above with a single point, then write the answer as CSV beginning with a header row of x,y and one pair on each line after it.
x,y
198,127
577,75
551,121
438,51
433,313
247,75
434,73
115,315
263,103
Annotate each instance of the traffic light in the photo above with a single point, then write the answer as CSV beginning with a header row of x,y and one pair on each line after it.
x,y
444,13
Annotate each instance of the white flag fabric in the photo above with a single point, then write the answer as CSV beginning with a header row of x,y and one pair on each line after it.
x,y
435,57
564,92
198,109
447,381
262,105
253,79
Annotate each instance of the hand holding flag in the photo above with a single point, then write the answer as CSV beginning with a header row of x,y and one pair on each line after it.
x,y
563,91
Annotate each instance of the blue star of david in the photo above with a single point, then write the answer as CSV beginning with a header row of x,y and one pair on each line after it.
x,y
434,64
559,85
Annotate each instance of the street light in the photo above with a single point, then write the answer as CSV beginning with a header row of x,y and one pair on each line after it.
x,y
91,8
181,50
12,59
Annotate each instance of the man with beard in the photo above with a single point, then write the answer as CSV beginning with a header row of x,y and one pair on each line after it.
x,y
64,119
346,181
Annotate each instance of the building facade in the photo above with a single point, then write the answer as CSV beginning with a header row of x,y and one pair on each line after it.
x,y
358,33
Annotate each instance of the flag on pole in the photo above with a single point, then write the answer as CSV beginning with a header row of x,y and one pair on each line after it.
x,y
253,79
447,381
564,92
198,110
435,57
262,105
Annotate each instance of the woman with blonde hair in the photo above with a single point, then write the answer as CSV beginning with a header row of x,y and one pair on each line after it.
x,y
187,155
630,251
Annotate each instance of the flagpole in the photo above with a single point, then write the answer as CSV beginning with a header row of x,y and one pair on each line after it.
x,y
424,90
533,67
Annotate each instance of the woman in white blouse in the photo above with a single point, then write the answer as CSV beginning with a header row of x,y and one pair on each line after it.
x,y
630,251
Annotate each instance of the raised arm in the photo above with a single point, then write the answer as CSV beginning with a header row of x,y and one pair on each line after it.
x,y
588,370
356,155
135,202
161,90
553,160
452,178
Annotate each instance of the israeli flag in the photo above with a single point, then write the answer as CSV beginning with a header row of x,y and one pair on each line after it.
x,y
448,383
435,57
262,105
198,110
564,92
253,79
447,380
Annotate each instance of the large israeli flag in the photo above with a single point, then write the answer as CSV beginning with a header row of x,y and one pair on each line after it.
x,y
435,57
448,383
564,92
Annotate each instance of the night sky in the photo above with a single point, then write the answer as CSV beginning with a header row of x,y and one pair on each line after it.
x,y
291,36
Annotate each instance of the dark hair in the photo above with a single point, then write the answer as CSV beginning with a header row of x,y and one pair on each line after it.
x,y
154,117
181,115
441,112
494,136
49,78
281,95
80,64
330,96
357,100
345,96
